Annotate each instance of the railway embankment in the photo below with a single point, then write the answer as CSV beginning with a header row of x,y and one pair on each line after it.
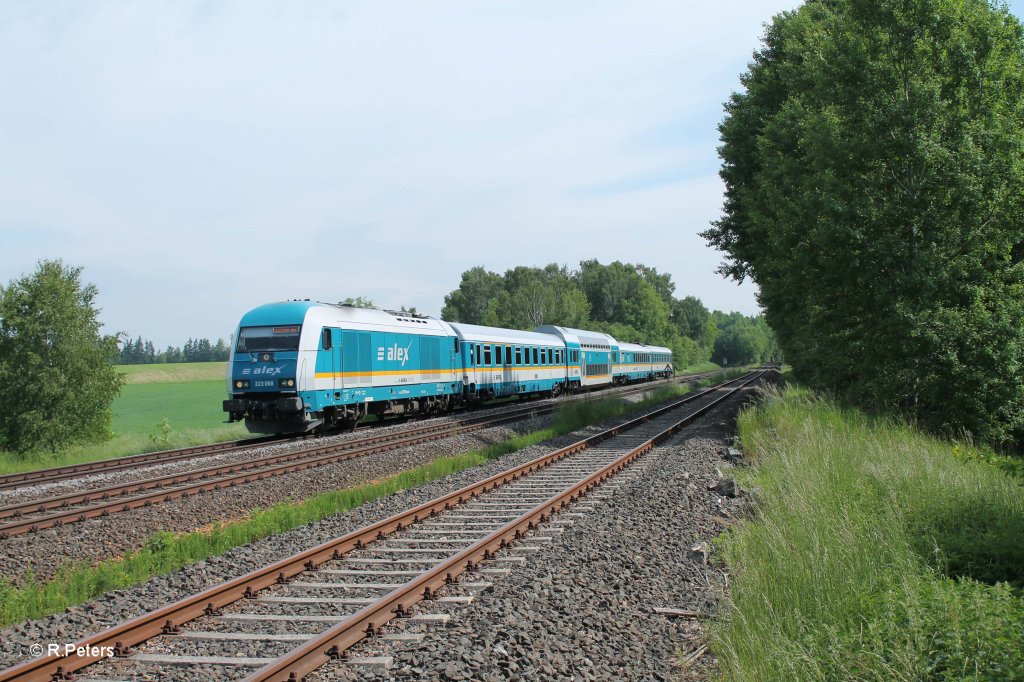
x,y
874,552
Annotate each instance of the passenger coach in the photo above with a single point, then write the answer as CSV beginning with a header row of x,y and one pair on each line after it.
x,y
502,362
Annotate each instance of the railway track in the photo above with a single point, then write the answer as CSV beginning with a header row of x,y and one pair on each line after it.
x,y
58,510
73,471
307,610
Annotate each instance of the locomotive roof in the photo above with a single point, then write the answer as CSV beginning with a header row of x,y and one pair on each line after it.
x,y
475,332
295,312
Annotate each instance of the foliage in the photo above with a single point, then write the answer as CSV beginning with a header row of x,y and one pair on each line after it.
x,y
873,166
743,340
358,302
632,302
55,366
874,553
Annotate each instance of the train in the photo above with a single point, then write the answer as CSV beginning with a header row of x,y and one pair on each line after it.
x,y
302,366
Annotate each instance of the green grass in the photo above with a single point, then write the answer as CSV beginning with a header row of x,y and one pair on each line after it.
x,y
875,553
698,368
78,582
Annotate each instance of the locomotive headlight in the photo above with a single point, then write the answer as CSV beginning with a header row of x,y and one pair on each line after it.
x,y
242,383
286,383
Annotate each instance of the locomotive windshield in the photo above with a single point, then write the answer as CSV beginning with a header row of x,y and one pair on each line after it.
x,y
268,338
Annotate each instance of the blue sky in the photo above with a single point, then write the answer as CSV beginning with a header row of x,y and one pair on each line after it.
x,y
201,158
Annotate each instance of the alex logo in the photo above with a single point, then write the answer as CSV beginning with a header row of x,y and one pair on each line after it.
x,y
266,371
395,353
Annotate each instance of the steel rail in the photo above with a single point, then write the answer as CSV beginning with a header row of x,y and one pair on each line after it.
x,y
102,502
209,602
37,476
331,644
60,473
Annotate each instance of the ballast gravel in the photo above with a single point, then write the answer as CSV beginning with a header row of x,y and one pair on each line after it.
x,y
581,607
120,605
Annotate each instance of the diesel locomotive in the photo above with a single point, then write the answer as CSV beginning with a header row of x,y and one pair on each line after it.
x,y
299,366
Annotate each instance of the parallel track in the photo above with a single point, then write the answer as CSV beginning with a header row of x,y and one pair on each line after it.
x,y
71,471
437,543
39,514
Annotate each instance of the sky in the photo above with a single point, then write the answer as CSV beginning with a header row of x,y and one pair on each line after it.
x,y
200,158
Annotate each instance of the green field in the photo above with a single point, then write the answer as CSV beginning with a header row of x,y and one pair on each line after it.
x,y
187,405
174,373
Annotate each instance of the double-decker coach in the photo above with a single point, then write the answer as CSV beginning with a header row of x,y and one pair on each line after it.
x,y
502,362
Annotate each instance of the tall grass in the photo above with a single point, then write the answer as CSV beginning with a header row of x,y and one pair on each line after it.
x,y
77,582
874,553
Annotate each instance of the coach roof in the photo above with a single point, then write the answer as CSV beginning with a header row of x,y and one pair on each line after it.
x,y
478,334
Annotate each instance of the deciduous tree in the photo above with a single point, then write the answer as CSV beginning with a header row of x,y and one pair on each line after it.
x,y
56,368
873,165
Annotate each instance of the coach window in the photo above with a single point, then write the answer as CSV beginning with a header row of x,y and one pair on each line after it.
x,y
508,355
455,343
519,355
487,355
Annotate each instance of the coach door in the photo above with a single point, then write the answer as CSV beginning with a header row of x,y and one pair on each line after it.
x,y
329,363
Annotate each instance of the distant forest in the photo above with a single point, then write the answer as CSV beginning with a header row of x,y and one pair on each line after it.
x,y
633,303
143,352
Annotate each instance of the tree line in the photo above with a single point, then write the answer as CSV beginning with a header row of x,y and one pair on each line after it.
x,y
143,352
873,164
632,302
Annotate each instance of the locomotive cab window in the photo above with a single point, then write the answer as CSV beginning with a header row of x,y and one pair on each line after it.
x,y
269,338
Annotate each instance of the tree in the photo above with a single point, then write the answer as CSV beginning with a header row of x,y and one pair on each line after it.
x,y
56,368
873,166
358,302
693,321
475,297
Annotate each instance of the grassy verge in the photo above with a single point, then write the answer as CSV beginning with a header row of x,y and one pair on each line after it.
x,y
874,553
78,582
